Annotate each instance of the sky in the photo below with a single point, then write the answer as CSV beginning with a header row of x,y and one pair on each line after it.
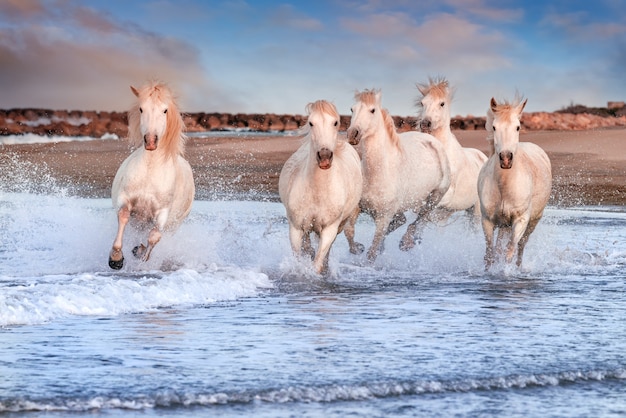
x,y
245,56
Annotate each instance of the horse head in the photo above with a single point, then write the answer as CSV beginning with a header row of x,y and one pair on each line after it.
x,y
366,115
155,119
434,105
503,126
323,125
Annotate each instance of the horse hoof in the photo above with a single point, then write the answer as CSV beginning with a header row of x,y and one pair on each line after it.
x,y
357,248
407,245
139,251
116,264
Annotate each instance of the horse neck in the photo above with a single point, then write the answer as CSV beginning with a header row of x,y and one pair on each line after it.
x,y
449,141
379,150
159,156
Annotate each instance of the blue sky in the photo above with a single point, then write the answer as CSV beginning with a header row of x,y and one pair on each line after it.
x,y
277,56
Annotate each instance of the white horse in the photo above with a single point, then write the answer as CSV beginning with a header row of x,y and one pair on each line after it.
x,y
154,185
320,186
514,185
401,172
465,163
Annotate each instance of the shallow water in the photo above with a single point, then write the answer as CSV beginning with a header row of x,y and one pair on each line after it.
x,y
224,321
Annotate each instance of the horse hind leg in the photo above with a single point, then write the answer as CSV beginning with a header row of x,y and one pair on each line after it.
x,y
116,256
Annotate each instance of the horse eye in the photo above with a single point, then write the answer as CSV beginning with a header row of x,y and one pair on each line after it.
x,y
442,104
165,111
351,110
494,128
310,123
336,123
518,128
140,110
373,110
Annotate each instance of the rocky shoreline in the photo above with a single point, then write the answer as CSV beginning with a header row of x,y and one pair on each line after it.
x,y
98,124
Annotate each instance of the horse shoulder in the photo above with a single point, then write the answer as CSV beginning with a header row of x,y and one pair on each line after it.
x,y
540,171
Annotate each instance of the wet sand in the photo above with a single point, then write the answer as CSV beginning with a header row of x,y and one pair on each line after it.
x,y
589,167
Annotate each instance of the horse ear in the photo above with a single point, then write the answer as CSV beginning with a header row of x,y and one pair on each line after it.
x,y
521,106
135,91
421,89
493,104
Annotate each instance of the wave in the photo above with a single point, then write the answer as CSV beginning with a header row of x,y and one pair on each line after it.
x,y
308,394
52,297
24,139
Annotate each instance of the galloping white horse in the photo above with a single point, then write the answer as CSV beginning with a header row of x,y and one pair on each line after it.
x,y
320,186
154,185
408,171
514,185
465,163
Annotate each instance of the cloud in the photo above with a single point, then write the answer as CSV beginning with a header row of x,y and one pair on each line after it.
x,y
286,16
78,58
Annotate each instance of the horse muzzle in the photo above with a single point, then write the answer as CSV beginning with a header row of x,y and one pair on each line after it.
x,y
150,142
324,158
426,125
506,160
354,136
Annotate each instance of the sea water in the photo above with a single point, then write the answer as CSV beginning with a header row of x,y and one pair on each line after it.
x,y
224,321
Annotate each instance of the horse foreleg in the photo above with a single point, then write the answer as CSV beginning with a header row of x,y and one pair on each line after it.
x,y
522,242
397,221
348,230
518,229
298,240
379,237
488,228
413,232
116,256
326,239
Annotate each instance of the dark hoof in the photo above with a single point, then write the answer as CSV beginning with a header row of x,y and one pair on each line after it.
x,y
116,264
357,248
139,251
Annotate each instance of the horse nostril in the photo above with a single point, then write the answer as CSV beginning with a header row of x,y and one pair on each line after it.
x,y
506,159
426,124
324,158
506,155
353,136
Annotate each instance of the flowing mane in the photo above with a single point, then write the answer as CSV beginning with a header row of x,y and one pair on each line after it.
x,y
173,140
390,126
505,109
438,87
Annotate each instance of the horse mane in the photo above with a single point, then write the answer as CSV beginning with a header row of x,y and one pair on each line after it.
x,y
390,127
174,139
437,86
322,106
503,109
367,96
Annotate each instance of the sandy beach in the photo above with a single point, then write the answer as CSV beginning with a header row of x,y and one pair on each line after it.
x,y
589,167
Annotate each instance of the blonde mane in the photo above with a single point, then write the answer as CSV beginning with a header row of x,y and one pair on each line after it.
x,y
368,97
438,87
174,138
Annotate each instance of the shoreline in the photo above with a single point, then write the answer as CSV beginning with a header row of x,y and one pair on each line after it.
x,y
588,167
